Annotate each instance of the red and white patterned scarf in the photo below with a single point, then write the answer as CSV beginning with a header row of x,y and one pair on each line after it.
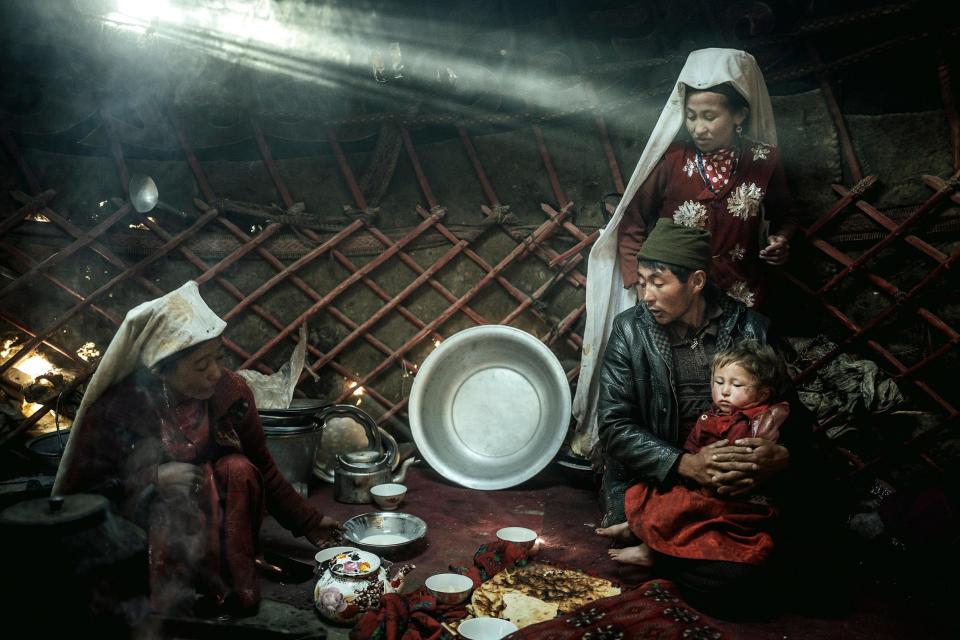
x,y
718,167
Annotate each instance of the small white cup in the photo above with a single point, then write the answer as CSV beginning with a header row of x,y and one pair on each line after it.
x,y
519,536
449,588
388,496
485,628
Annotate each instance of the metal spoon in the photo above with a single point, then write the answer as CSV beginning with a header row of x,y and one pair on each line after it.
x,y
143,193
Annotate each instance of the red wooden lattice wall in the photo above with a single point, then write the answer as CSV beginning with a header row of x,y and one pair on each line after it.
x,y
565,266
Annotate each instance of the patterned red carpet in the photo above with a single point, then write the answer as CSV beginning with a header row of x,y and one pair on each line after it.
x,y
565,515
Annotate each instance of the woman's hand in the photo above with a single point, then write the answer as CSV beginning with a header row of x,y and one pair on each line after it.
x,y
329,533
777,251
176,478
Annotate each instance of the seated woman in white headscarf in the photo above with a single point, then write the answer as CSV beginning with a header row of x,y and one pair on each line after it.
x,y
174,440
711,162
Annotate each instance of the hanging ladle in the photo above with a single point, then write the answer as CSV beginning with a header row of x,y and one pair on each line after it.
x,y
144,196
143,193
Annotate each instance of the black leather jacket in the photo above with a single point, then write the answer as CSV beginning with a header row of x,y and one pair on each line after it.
x,y
638,408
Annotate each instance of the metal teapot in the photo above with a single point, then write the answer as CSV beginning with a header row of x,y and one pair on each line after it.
x,y
356,472
345,428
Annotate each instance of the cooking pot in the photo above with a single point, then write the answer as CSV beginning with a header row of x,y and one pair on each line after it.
x,y
48,448
292,441
90,562
298,407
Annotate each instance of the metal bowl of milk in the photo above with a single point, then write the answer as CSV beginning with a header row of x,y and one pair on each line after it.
x,y
390,534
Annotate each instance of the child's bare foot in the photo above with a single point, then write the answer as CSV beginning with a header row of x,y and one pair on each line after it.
x,y
639,555
620,532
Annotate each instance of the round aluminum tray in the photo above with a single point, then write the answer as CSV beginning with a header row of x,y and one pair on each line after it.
x,y
489,408
391,534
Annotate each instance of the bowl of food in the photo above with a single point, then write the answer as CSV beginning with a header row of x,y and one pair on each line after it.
x,y
485,628
390,534
388,496
519,536
449,588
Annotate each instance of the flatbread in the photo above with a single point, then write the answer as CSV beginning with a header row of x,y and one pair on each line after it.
x,y
562,587
523,610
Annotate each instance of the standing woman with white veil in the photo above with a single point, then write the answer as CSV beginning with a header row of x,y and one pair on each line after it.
x,y
726,178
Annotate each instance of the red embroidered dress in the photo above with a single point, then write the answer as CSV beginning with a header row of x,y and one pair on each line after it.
x,y
742,181
696,523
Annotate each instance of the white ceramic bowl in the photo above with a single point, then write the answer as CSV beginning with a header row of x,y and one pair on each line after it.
x,y
520,536
388,496
485,628
449,588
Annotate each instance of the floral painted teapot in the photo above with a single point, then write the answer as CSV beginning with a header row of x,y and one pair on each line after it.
x,y
352,581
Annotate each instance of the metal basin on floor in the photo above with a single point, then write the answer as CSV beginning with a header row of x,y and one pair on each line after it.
x,y
490,407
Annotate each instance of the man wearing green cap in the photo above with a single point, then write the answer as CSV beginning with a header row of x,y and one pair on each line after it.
x,y
655,383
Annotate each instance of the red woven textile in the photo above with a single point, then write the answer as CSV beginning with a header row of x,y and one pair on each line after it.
x,y
417,615
651,611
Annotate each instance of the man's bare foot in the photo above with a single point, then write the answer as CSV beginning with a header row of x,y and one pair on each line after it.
x,y
620,532
639,555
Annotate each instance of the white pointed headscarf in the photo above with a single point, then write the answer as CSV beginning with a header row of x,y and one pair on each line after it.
x,y
606,296
150,332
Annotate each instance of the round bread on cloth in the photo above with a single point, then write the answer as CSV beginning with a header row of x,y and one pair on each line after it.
x,y
564,588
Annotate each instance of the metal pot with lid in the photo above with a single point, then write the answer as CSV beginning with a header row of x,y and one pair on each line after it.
x,y
299,407
73,547
293,441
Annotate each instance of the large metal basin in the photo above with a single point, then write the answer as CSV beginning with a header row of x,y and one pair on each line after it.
x,y
490,407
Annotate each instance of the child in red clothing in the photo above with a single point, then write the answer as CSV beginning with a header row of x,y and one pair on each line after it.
x,y
697,523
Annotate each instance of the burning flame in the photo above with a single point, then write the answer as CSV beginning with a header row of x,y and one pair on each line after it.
x,y
7,347
357,391
35,365
29,408
140,225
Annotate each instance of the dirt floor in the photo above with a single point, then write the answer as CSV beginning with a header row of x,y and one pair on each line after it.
x,y
564,511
